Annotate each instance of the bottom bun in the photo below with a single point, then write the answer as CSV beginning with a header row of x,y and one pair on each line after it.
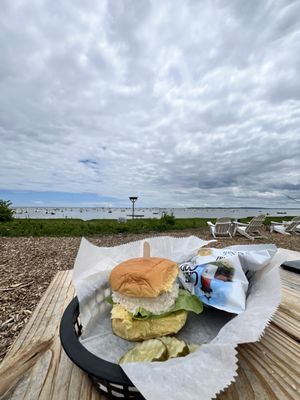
x,y
138,330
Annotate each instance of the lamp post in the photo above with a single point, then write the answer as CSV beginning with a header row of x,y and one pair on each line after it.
x,y
133,199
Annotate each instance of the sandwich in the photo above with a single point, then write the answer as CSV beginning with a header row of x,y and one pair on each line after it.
x,y
147,300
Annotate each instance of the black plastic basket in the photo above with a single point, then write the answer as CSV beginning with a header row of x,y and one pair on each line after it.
x,y
107,377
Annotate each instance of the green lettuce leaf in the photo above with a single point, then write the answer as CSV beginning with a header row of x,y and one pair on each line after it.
x,y
109,299
189,302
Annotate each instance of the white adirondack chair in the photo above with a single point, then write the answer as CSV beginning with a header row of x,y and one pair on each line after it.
x,y
253,229
222,227
286,227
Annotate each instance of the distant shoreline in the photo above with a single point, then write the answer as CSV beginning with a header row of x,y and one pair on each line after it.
x,y
162,208
117,213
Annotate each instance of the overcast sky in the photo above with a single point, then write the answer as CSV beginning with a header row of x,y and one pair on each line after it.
x,y
183,103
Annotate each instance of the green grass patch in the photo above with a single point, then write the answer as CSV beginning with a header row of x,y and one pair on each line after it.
x,y
78,227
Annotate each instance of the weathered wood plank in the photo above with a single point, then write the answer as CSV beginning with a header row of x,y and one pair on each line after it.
x,y
58,378
287,316
46,317
290,280
268,369
287,323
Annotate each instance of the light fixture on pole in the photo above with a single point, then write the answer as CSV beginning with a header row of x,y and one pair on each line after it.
x,y
133,199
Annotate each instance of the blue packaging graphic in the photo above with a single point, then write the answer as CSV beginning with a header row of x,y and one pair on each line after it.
x,y
221,284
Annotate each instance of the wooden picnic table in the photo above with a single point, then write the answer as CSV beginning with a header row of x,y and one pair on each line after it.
x,y
38,368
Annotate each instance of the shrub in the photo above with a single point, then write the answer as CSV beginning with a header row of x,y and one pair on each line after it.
x,y
6,213
167,219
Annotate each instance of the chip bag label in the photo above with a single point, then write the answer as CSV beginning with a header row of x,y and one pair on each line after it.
x,y
218,276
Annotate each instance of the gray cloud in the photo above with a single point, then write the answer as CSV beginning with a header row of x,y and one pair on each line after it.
x,y
184,103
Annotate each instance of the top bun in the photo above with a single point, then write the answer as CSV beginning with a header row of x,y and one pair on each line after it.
x,y
144,277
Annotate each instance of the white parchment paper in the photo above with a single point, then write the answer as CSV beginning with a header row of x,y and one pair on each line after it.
x,y
199,375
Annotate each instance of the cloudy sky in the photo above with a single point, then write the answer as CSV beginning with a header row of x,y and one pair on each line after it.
x,y
183,103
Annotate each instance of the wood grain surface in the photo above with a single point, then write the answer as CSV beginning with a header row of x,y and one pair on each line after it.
x,y
36,367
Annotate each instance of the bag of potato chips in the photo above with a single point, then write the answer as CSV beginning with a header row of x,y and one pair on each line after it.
x,y
220,277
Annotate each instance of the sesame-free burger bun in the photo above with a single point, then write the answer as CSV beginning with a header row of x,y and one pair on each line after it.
x,y
144,277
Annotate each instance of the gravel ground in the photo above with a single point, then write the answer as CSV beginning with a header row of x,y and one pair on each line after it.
x,y
28,265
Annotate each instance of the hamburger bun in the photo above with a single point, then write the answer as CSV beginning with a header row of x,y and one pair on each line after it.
x,y
138,330
144,277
